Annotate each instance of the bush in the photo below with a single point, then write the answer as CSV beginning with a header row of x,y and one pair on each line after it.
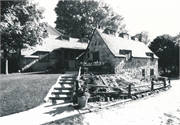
x,y
49,67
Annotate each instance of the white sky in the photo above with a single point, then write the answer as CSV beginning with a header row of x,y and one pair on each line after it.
x,y
158,17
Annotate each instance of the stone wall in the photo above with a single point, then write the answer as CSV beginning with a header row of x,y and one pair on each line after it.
x,y
98,45
118,65
135,66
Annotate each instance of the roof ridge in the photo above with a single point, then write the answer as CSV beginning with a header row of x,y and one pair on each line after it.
x,y
55,30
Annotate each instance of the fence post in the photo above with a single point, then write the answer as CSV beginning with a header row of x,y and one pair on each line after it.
x,y
152,85
129,91
164,83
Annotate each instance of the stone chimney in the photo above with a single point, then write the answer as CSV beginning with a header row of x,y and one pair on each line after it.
x,y
134,38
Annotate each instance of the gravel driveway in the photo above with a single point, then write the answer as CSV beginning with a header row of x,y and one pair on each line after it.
x,y
161,109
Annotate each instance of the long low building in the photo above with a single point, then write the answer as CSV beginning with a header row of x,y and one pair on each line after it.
x,y
58,51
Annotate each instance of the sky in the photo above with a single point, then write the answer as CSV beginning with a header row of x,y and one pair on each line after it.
x,y
158,17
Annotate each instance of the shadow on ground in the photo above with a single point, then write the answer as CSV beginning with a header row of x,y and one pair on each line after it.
x,y
60,110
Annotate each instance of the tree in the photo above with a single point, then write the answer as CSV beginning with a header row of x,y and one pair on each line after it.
x,y
167,49
78,18
143,37
20,26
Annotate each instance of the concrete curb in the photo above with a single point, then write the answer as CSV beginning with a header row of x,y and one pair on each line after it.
x,y
88,110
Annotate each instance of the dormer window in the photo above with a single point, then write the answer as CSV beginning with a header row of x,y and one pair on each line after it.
x,y
128,54
124,35
109,31
65,38
151,55
84,40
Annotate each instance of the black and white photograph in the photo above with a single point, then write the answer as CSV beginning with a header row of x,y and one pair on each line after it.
x,y
90,62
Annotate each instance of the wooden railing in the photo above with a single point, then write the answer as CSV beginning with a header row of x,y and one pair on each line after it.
x,y
152,86
33,62
77,79
128,90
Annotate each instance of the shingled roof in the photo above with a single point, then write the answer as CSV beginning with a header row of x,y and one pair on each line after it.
x,y
115,44
53,43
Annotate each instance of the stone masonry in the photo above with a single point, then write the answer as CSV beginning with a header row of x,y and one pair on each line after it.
x,y
134,66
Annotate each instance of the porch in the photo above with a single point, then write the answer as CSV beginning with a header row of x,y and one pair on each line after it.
x,y
69,59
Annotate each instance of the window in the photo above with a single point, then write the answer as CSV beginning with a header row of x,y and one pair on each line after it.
x,y
43,56
143,72
99,43
128,54
95,56
91,43
151,72
95,43
151,55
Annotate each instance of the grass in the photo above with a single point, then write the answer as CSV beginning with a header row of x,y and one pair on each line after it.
x,y
22,91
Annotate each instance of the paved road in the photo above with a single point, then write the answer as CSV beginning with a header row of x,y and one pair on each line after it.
x,y
162,109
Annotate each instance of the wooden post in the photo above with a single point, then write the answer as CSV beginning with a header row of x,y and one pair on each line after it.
x,y
169,81
129,91
164,83
77,86
152,85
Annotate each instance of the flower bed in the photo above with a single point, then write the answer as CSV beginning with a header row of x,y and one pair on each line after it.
x,y
123,81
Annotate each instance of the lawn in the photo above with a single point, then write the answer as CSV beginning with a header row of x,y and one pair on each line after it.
x,y
22,91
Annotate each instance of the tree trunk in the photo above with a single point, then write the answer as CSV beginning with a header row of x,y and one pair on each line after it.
x,y
6,62
6,66
19,60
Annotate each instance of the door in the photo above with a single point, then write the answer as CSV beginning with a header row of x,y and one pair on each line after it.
x,y
95,56
71,60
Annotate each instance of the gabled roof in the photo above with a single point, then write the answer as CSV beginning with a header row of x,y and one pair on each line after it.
x,y
115,44
52,43
52,30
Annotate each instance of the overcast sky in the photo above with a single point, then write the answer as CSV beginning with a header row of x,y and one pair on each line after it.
x,y
158,17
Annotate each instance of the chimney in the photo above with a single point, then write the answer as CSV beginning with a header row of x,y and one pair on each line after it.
x,y
124,35
134,38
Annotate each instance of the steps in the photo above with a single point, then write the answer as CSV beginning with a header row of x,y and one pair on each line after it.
x,y
64,89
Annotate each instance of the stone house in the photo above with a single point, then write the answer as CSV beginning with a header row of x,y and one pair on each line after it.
x,y
124,53
57,51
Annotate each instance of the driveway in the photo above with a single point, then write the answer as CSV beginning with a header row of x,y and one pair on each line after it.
x,y
161,109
